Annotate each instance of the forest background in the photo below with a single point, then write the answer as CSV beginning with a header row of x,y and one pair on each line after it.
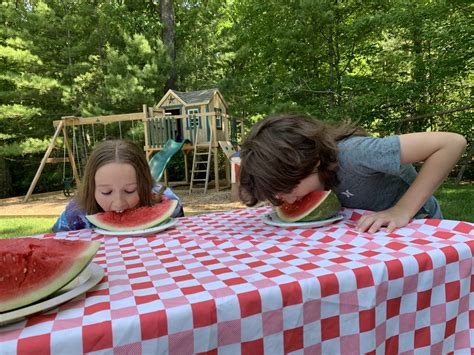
x,y
392,66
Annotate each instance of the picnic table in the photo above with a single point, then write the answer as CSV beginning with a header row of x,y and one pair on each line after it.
x,y
226,283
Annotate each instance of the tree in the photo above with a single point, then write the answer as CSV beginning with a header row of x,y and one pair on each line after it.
x,y
169,39
392,67
127,78
28,93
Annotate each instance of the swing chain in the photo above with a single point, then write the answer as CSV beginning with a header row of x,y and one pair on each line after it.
x,y
67,181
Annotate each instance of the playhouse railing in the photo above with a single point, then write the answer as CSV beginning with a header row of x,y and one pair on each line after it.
x,y
159,128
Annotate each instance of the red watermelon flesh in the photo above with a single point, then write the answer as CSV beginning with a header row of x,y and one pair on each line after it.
x,y
316,205
31,268
134,218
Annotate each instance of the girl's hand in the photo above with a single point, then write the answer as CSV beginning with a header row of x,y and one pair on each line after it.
x,y
159,196
392,218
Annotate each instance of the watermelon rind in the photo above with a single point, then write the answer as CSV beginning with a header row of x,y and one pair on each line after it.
x,y
124,221
81,261
326,206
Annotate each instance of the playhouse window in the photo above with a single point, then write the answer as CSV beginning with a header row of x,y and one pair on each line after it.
x,y
218,112
193,121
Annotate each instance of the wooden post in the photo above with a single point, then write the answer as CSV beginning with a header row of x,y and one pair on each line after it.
x,y
145,132
227,172
70,153
43,161
215,151
228,150
152,129
225,121
186,172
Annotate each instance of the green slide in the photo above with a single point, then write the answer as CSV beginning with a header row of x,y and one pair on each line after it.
x,y
159,161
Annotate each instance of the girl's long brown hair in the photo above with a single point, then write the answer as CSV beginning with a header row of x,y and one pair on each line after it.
x,y
282,150
115,151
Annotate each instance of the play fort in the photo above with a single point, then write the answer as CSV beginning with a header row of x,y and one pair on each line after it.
x,y
196,123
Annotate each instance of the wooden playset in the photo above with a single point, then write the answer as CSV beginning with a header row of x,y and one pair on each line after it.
x,y
197,119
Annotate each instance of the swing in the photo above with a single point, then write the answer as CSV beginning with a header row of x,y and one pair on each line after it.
x,y
67,181
68,186
80,153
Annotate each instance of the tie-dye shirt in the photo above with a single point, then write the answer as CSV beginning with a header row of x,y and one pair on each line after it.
x,y
74,218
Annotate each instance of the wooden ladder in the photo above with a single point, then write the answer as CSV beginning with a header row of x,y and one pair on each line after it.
x,y
203,151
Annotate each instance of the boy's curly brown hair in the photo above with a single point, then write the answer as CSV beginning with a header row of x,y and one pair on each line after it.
x,y
282,150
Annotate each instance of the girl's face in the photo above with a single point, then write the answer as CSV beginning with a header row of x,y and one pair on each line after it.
x,y
116,187
307,185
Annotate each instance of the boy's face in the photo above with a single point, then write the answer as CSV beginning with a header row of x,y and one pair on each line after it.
x,y
307,185
116,187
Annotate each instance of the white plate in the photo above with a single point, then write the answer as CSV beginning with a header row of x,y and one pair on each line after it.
x,y
82,283
273,220
140,232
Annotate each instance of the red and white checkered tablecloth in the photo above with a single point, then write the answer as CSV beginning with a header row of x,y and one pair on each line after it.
x,y
227,283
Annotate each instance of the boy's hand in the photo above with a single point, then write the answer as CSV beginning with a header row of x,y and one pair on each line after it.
x,y
392,218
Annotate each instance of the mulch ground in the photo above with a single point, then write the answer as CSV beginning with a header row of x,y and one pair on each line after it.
x,y
51,204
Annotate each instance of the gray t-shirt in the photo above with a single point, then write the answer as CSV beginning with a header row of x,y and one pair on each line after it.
x,y
372,178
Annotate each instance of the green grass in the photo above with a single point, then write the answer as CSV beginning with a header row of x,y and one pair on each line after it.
x,y
456,202
25,226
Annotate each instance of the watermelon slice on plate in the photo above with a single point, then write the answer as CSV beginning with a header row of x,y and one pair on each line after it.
x,y
140,232
135,218
32,269
315,206
86,280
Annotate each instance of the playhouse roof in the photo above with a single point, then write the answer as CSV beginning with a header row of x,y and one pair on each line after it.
x,y
193,97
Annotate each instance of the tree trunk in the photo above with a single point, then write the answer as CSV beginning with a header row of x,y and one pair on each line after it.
x,y
5,179
169,39
418,77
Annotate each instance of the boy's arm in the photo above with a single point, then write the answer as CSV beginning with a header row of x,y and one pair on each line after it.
x,y
439,151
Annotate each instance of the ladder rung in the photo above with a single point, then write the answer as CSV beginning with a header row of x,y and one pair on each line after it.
x,y
203,150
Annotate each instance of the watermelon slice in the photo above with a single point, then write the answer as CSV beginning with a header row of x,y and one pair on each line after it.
x,y
134,218
315,206
31,268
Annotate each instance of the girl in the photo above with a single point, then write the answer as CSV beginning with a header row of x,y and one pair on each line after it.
x,y
285,157
116,178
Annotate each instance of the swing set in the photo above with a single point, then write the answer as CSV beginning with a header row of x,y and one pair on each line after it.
x,y
84,136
